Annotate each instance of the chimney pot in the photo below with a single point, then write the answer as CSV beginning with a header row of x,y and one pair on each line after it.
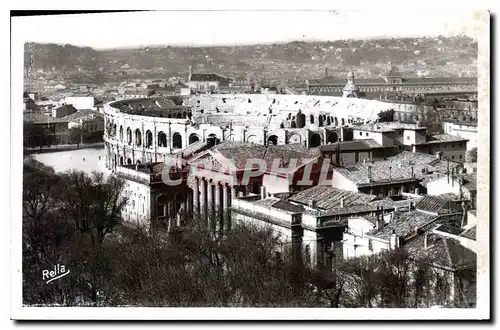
x,y
263,193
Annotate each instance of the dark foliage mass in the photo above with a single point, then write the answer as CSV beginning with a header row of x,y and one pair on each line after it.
x,y
73,219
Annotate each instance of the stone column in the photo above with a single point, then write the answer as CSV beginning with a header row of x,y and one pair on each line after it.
x,y
218,209
210,198
189,203
196,196
233,194
203,200
225,201
182,212
171,210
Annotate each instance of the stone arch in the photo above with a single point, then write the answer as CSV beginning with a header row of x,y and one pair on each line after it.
x,y
162,139
300,120
138,162
273,139
311,119
333,137
342,121
129,136
230,137
114,130
252,139
320,121
295,138
129,161
193,138
121,160
314,140
212,139
149,139
121,133
177,141
138,137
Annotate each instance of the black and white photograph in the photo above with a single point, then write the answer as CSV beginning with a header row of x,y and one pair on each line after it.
x,y
250,164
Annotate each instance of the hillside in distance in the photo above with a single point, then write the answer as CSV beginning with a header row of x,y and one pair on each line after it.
x,y
310,57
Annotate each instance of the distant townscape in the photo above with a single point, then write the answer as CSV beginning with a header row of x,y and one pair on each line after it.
x,y
307,174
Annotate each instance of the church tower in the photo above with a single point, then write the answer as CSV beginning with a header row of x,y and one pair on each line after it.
x,y
350,89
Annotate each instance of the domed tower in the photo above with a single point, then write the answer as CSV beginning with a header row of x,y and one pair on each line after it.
x,y
350,89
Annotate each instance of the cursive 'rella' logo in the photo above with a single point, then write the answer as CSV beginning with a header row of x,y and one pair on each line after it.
x,y
58,271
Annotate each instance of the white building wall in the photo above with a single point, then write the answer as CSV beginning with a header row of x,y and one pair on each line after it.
x,y
275,184
341,182
137,210
357,244
463,131
80,102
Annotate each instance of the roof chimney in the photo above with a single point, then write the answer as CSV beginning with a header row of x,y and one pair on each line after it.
x,y
263,193
312,203
426,239
342,201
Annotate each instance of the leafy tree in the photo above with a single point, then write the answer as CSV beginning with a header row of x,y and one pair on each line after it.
x,y
472,155
76,136
94,203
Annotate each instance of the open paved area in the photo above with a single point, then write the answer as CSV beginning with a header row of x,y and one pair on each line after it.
x,y
87,160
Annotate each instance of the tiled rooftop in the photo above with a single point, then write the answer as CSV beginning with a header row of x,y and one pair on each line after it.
x,y
470,233
241,152
351,145
442,251
436,205
377,172
83,114
453,230
440,138
426,167
403,223
328,197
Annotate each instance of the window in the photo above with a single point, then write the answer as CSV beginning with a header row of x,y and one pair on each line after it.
x,y
356,157
366,133
407,137
460,156
452,157
360,133
370,245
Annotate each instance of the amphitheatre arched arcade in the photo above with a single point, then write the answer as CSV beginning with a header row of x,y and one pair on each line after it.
x,y
145,130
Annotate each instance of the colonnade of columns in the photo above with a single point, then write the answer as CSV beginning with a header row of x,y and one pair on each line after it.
x,y
174,208
212,200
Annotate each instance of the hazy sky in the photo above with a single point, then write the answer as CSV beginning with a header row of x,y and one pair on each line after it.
x,y
237,27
